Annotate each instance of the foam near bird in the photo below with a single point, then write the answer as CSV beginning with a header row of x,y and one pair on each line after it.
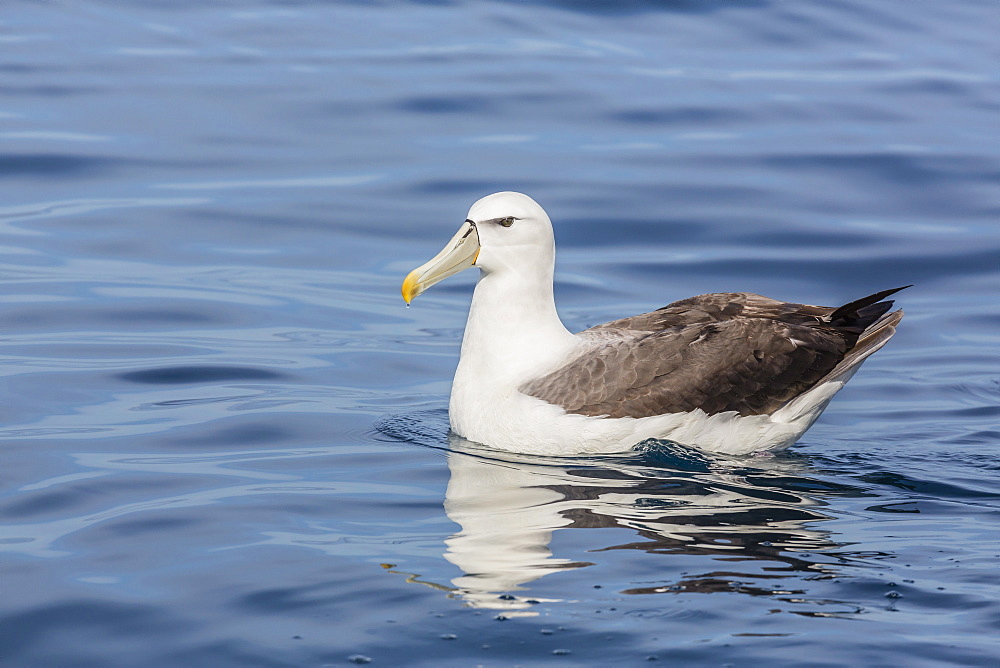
x,y
733,373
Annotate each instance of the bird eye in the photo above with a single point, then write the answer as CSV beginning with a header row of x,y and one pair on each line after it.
x,y
506,222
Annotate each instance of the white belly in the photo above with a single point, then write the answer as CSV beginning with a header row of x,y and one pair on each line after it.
x,y
520,423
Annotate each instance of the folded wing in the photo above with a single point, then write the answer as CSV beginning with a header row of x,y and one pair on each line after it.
x,y
720,352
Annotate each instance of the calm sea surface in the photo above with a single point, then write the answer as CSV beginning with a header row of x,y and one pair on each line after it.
x,y
223,438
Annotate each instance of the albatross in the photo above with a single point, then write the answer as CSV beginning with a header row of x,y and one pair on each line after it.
x,y
733,373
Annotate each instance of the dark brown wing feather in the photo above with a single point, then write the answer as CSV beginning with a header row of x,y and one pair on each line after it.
x,y
721,352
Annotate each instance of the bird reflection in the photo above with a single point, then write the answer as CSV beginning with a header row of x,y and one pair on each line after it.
x,y
675,501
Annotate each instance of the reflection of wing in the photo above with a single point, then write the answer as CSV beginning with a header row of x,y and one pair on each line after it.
x,y
508,511
720,352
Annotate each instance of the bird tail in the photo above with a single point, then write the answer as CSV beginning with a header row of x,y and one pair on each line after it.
x,y
857,316
874,328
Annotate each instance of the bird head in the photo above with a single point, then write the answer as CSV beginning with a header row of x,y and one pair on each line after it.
x,y
504,232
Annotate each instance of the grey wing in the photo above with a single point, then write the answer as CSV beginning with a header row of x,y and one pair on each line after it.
x,y
733,351
717,307
748,365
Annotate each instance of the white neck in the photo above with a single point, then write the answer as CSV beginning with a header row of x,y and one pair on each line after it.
x,y
513,332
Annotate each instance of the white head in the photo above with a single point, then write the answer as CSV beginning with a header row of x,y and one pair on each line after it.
x,y
503,232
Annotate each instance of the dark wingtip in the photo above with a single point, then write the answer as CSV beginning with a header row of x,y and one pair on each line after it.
x,y
878,296
858,311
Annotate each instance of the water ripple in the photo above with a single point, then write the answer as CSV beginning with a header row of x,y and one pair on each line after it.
x,y
224,435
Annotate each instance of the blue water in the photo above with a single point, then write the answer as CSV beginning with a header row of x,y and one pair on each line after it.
x,y
224,438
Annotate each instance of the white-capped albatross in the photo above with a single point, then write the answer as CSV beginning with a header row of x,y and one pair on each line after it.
x,y
733,373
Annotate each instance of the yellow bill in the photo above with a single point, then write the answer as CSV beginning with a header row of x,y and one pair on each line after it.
x,y
460,253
